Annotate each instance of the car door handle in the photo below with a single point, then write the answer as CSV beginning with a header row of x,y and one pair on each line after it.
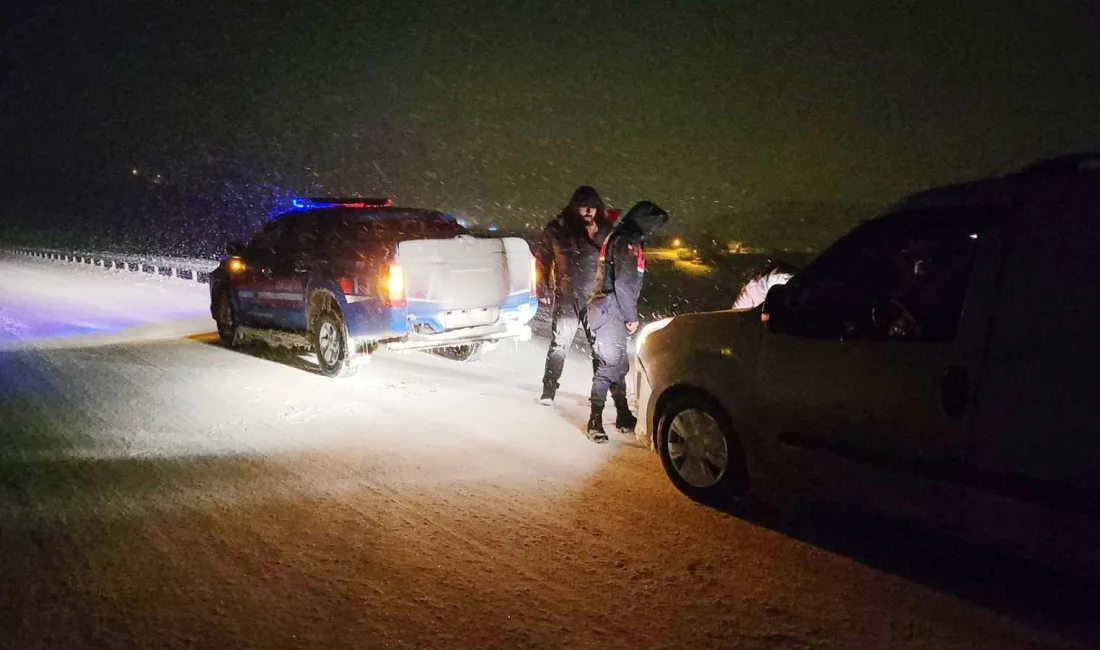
x,y
955,391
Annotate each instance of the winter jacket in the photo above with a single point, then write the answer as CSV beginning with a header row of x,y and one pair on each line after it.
x,y
622,258
566,255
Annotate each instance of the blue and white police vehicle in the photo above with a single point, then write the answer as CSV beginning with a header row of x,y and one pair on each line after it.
x,y
348,277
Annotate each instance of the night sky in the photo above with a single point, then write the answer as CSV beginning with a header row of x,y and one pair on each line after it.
x,y
499,109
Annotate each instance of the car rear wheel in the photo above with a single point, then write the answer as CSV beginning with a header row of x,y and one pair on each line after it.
x,y
701,452
226,319
330,344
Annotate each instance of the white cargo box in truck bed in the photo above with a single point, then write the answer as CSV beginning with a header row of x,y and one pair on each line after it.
x,y
467,281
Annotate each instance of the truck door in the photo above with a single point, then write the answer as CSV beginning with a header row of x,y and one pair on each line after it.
x,y
284,286
253,283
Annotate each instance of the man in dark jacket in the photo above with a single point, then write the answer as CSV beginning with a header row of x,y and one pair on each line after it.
x,y
613,312
567,254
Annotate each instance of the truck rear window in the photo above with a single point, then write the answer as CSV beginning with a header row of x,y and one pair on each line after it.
x,y
359,225
400,229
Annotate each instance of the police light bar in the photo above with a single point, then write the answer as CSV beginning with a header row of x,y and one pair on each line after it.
x,y
329,202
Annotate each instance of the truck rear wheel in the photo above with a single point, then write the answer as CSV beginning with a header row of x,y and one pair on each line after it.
x,y
330,344
468,352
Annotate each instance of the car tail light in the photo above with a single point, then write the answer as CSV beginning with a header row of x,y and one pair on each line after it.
x,y
395,285
347,285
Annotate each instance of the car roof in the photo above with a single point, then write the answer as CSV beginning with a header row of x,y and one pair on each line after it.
x,y
1000,191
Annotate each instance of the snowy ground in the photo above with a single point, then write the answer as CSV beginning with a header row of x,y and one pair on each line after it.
x,y
158,490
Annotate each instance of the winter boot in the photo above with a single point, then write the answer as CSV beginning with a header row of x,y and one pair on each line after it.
x,y
548,393
624,419
595,430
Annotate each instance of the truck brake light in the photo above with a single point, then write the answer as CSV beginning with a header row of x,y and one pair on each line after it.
x,y
395,285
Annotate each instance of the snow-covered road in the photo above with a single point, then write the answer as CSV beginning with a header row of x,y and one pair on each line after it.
x,y
158,490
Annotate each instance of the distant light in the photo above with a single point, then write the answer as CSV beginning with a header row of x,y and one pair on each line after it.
x,y
676,243
493,228
298,203
134,171
236,265
973,235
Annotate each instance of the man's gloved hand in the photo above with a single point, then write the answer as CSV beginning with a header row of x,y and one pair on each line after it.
x,y
632,327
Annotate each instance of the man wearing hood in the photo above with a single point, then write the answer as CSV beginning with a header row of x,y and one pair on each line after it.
x,y
568,253
613,312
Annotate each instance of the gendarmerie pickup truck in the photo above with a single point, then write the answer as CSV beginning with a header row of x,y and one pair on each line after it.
x,y
346,277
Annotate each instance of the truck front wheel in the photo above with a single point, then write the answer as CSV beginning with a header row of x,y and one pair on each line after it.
x,y
226,319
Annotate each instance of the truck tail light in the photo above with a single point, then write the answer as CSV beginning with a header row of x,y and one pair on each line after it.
x,y
395,285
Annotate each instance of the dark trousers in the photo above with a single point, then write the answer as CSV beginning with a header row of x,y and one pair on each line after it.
x,y
568,317
609,352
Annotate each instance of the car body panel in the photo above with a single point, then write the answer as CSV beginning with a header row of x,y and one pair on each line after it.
x,y
714,352
990,433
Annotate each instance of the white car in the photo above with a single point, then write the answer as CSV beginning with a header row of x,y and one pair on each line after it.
x,y
939,361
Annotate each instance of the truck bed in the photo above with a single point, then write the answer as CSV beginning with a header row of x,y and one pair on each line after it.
x,y
465,281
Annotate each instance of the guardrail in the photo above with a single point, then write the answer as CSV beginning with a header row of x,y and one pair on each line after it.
x,y
188,270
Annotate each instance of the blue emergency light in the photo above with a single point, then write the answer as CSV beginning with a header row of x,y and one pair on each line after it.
x,y
303,203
